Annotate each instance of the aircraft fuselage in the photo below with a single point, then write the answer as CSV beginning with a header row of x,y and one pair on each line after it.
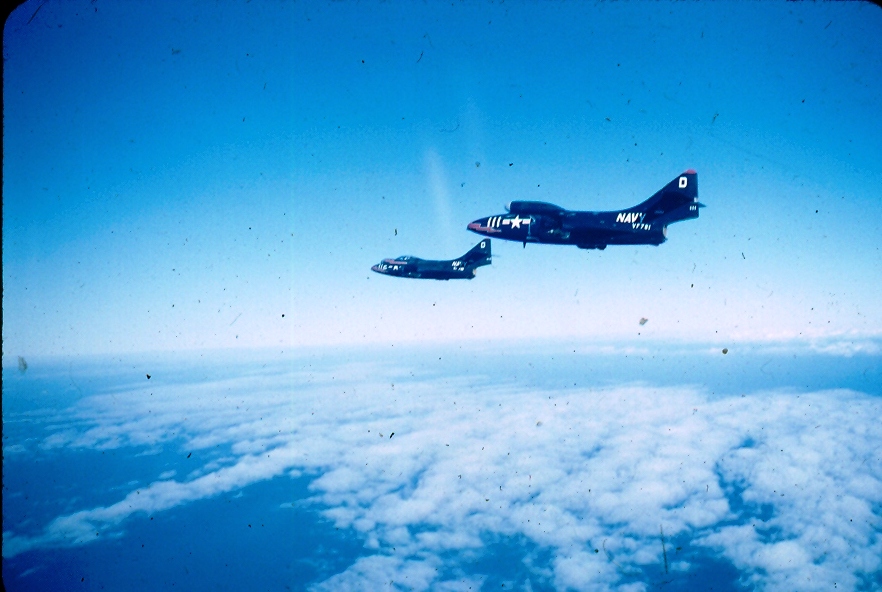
x,y
414,267
643,224
463,268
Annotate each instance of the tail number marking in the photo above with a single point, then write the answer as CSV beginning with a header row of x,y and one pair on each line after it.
x,y
683,182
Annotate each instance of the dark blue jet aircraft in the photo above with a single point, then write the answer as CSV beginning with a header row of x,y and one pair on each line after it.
x,y
644,224
414,267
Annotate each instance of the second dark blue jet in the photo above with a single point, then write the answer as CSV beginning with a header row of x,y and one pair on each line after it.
x,y
463,268
644,224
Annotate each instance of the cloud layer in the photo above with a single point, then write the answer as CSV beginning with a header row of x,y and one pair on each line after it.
x,y
626,486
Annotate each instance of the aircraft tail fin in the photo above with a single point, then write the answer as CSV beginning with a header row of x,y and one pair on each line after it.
x,y
479,254
678,200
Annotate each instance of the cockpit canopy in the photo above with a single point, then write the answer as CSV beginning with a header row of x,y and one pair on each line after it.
x,y
533,207
403,260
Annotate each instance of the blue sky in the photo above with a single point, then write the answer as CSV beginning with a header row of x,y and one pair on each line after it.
x,y
180,178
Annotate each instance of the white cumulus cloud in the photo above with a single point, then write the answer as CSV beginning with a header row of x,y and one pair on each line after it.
x,y
783,486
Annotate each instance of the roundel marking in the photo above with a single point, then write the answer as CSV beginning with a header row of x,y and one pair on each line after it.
x,y
683,182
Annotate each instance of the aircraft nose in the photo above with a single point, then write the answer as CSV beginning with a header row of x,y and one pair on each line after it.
x,y
481,226
375,268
